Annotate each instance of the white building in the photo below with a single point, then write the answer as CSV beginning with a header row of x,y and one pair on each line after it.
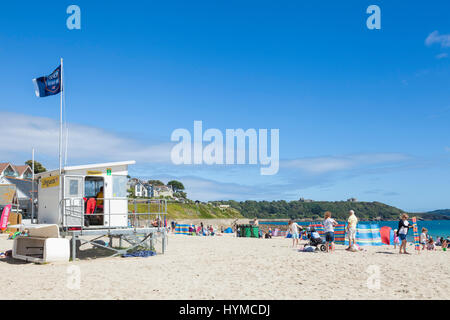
x,y
9,170
140,190
78,183
139,187
162,191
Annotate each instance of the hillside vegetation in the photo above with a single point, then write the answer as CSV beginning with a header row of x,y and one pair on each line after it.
x,y
192,211
287,210
444,212
314,210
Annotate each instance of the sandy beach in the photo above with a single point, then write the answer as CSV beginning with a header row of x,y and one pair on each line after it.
x,y
226,267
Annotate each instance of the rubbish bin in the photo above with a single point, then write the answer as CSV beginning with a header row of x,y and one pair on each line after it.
x,y
247,231
255,231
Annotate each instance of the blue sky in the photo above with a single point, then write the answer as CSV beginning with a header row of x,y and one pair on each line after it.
x,y
361,113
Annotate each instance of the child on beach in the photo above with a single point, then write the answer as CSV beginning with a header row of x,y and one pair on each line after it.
x,y
430,244
328,226
423,238
444,245
293,229
403,228
396,241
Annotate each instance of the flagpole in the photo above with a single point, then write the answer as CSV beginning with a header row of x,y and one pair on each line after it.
x,y
61,119
60,135
32,186
66,138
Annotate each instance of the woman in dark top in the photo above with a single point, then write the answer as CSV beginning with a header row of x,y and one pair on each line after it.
x,y
402,231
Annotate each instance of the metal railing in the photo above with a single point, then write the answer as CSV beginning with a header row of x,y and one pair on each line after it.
x,y
113,213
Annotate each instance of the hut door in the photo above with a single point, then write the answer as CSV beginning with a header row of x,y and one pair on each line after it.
x,y
73,201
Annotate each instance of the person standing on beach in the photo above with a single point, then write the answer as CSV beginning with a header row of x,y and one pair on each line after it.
x,y
328,226
351,229
403,228
293,229
396,242
423,238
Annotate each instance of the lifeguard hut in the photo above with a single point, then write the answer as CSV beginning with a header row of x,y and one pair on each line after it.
x,y
92,200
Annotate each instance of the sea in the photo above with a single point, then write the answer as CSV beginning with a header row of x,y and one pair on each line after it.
x,y
436,228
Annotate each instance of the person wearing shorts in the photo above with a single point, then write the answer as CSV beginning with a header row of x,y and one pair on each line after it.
x,y
351,229
293,229
328,226
329,236
403,228
424,238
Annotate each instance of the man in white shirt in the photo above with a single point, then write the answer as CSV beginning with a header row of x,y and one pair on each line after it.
x,y
351,229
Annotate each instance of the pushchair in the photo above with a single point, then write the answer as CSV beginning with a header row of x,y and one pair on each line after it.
x,y
315,240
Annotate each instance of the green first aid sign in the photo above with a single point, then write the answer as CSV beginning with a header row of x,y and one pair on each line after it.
x,y
108,171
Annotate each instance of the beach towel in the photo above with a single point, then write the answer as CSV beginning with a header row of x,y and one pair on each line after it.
x,y
367,235
141,253
385,233
182,229
12,236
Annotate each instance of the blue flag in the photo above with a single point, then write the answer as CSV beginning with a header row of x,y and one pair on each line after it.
x,y
49,85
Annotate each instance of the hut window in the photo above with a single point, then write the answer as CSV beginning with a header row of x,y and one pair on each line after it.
x,y
73,188
120,186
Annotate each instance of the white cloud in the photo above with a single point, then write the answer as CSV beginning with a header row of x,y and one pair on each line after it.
x,y
89,144
435,37
442,56
204,189
321,165
19,133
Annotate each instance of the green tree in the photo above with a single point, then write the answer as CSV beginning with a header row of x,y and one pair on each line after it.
x,y
156,182
177,186
38,167
131,193
180,194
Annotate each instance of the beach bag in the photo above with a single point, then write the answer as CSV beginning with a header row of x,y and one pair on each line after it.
x,y
309,249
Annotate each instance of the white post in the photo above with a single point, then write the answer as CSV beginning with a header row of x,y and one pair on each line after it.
x,y
67,139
